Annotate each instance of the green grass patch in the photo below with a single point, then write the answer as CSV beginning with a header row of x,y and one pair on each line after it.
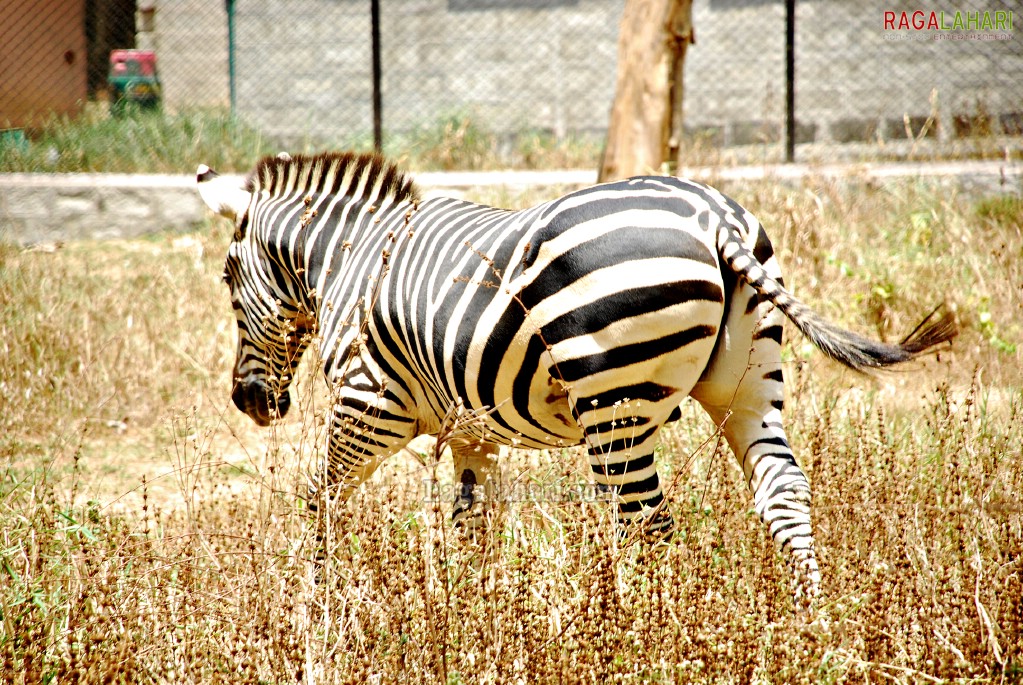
x,y
148,141
139,141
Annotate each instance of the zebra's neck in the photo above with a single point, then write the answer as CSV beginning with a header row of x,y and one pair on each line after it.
x,y
314,209
353,240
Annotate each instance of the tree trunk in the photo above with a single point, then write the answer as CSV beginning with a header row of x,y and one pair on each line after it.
x,y
646,117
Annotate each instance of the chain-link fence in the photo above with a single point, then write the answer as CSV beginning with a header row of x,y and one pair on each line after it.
x,y
875,73
880,76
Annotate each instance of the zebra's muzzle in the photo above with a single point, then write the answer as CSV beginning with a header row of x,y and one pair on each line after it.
x,y
260,403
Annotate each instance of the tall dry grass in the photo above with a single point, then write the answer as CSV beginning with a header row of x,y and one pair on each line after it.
x,y
148,533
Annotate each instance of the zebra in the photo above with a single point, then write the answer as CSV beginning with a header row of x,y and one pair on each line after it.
x,y
585,320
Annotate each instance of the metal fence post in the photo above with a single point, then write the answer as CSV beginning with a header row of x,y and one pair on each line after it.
x,y
378,133
790,81
230,55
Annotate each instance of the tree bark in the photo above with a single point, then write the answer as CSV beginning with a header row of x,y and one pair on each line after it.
x,y
646,116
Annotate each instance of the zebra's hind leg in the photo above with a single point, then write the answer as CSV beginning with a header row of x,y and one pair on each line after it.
x,y
743,392
781,492
478,484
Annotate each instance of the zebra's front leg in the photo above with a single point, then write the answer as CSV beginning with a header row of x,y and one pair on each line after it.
x,y
620,443
345,466
360,438
478,483
340,473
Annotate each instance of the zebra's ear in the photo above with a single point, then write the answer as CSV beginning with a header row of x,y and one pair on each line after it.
x,y
225,196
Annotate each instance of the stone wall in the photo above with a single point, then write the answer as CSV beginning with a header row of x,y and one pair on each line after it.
x,y
304,69
36,208
190,39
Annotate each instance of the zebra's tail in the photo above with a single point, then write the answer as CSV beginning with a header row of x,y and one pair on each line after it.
x,y
854,351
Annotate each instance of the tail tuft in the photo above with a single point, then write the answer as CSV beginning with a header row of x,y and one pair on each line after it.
x,y
929,333
855,351
863,354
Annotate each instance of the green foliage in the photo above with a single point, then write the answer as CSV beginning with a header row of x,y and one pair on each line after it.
x,y
454,141
147,141
1002,210
989,329
140,141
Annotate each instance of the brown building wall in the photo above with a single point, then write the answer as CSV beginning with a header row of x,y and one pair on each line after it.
x,y
42,59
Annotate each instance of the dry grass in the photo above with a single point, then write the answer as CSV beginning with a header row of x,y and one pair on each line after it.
x,y
150,534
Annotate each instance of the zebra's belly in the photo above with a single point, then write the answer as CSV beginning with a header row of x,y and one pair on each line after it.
x,y
640,366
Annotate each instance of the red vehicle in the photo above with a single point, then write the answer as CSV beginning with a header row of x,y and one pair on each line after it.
x,y
133,80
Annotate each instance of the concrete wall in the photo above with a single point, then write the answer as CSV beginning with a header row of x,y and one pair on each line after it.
x,y
37,208
190,40
303,66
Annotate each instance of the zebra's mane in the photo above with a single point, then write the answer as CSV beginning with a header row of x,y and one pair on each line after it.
x,y
331,173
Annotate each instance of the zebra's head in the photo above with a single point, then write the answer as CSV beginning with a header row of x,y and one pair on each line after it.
x,y
272,326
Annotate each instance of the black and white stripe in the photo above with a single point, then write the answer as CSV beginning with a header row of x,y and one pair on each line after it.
x,y
585,320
